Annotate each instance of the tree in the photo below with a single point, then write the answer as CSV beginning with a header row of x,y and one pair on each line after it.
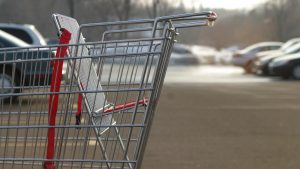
x,y
122,8
153,8
71,5
281,14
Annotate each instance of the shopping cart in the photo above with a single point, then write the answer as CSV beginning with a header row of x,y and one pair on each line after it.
x,y
89,101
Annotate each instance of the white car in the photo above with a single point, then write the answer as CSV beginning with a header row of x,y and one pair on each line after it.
x,y
183,55
205,54
27,33
284,47
286,66
243,57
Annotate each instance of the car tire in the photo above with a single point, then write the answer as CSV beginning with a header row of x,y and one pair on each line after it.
x,y
296,72
8,81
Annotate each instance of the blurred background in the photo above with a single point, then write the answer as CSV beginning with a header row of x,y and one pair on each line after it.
x,y
240,23
231,95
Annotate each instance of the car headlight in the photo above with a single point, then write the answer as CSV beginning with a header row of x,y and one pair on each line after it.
x,y
278,63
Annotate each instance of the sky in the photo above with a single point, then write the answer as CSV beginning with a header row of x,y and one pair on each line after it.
x,y
227,4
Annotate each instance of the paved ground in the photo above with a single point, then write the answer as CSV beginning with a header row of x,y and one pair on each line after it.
x,y
225,121
214,118
211,74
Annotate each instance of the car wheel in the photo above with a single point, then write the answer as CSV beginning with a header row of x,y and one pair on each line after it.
x,y
296,72
8,84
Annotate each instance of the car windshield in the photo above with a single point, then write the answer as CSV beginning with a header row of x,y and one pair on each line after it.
x,y
13,40
292,49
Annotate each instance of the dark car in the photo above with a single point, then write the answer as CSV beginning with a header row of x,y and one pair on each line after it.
x,y
286,67
21,66
262,65
280,51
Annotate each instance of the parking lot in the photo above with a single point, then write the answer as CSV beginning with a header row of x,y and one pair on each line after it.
x,y
222,119
80,82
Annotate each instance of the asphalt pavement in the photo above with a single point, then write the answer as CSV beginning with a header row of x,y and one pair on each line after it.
x,y
218,118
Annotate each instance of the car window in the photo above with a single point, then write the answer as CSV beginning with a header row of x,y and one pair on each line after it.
x,y
5,43
274,47
265,48
262,49
9,40
2,45
19,34
180,50
269,48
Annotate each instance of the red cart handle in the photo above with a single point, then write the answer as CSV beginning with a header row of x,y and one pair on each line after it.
x,y
111,108
125,106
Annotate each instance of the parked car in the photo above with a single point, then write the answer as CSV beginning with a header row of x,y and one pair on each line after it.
x,y
205,54
244,57
116,53
183,55
16,74
286,67
284,47
27,33
225,55
262,65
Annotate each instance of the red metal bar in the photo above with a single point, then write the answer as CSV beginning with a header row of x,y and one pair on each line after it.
x,y
53,101
128,105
